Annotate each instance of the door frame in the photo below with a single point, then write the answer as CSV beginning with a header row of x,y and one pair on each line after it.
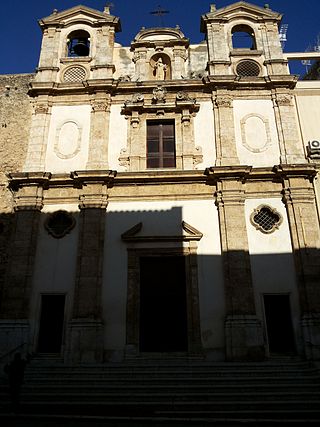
x,y
288,294
133,297
63,333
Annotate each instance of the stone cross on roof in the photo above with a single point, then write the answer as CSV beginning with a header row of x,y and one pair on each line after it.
x,y
160,12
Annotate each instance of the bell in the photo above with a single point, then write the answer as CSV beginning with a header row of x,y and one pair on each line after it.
x,y
81,48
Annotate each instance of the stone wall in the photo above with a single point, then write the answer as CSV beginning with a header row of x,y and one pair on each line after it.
x,y
15,120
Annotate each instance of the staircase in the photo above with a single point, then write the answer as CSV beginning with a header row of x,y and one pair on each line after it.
x,y
169,393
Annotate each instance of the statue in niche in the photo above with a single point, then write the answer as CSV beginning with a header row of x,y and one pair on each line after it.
x,y
160,69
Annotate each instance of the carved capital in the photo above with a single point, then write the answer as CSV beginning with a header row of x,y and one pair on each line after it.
x,y
223,101
283,99
41,108
100,105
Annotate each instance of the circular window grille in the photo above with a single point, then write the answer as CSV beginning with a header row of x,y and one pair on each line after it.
x,y
59,224
266,219
248,68
74,74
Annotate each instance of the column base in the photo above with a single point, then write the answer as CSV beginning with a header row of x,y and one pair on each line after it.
x,y
244,338
310,324
85,344
14,335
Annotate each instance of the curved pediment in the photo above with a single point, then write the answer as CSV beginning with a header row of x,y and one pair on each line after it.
x,y
158,33
78,14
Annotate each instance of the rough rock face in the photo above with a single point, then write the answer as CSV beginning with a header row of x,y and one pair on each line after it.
x,y
15,120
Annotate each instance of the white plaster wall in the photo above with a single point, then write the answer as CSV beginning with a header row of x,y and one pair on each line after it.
x,y
164,218
55,264
309,117
204,134
117,137
68,145
272,262
256,134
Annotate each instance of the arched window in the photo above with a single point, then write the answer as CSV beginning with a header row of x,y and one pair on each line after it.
x,y
243,37
78,43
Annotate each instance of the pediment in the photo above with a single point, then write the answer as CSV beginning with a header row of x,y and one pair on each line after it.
x,y
244,10
188,233
151,34
78,14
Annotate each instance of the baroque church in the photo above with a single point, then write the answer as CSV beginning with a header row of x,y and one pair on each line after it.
x,y
160,199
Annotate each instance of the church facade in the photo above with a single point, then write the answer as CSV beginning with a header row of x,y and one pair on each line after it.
x,y
161,199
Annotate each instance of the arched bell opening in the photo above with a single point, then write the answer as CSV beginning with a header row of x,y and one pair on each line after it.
x,y
243,37
160,67
78,44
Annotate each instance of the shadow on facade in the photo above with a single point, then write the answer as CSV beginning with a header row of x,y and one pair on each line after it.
x,y
128,284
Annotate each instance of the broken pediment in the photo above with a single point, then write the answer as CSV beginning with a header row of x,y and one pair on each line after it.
x,y
78,14
240,10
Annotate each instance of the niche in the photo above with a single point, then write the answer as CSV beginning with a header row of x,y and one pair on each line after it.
x,y
160,67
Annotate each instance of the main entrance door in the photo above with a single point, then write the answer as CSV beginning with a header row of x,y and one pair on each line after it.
x,y
51,323
279,324
163,308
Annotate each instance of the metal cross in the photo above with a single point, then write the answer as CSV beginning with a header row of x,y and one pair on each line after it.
x,y
160,12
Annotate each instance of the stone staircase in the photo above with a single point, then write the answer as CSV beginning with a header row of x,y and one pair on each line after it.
x,y
168,392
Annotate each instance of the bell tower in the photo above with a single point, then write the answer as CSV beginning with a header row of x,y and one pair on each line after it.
x,y
243,40
77,45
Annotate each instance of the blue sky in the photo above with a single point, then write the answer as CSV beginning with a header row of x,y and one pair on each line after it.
x,y
21,35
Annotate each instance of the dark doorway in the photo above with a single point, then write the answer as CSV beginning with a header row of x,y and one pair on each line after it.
x,y
163,309
51,323
279,324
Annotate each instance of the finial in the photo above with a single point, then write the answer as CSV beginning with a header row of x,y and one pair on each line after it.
x,y
177,27
213,7
266,6
55,11
107,8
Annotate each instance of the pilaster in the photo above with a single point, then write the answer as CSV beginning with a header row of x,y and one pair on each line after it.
x,y
37,146
86,326
99,133
17,288
299,199
291,148
224,128
244,338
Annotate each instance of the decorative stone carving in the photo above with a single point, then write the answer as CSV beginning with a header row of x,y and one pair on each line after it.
x,y
68,140
283,99
99,105
125,78
224,102
59,223
265,219
159,94
184,96
41,108
124,159
259,126
160,69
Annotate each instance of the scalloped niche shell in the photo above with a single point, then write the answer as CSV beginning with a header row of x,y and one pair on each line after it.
x,y
68,140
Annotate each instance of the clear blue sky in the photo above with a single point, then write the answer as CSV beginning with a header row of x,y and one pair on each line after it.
x,y
21,35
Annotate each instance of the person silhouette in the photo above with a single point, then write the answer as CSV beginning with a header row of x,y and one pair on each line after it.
x,y
15,371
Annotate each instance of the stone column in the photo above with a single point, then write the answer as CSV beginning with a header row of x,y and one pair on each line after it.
x,y
244,337
291,147
299,198
37,146
225,132
86,326
99,134
17,287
